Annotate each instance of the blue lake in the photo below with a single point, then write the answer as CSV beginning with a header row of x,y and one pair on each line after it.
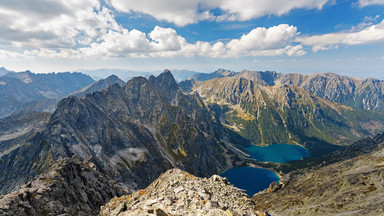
x,y
251,179
254,180
278,153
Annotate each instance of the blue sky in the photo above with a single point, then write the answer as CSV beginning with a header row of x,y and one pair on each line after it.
x,y
296,36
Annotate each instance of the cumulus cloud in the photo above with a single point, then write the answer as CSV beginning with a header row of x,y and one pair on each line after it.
x,y
87,29
53,24
263,38
165,42
183,12
368,35
364,3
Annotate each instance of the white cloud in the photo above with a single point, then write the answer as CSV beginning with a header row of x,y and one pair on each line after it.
x,y
183,12
165,42
86,29
368,35
249,9
53,24
263,39
364,3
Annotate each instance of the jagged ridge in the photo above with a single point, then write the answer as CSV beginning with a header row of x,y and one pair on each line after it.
x,y
132,133
69,188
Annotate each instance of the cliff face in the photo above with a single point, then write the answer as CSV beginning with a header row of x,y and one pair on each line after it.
x,y
286,114
179,193
132,133
68,188
353,186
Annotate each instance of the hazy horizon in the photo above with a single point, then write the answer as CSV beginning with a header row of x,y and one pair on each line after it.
x,y
314,36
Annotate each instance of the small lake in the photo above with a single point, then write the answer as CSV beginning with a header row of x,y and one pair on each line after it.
x,y
253,179
278,153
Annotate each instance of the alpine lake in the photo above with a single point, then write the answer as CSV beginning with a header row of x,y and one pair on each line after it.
x,y
253,179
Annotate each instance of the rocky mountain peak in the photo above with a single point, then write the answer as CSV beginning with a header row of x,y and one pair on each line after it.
x,y
70,187
165,84
132,133
179,193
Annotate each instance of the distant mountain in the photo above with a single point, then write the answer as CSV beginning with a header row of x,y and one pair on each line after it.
x,y
360,93
132,133
125,75
286,114
181,75
217,74
99,86
29,91
350,186
187,85
4,71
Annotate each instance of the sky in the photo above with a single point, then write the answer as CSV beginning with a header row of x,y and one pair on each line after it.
x,y
295,36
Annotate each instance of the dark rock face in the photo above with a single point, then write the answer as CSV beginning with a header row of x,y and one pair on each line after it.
x,y
352,186
68,188
132,133
37,92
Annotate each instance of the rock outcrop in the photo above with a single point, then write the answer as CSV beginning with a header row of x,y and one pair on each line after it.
x,y
179,193
68,188
353,186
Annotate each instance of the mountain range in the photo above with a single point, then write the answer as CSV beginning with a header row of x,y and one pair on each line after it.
x,y
125,75
132,133
109,138
286,114
355,92
37,92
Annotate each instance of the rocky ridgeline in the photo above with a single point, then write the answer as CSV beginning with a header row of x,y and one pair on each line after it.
x,y
179,193
69,188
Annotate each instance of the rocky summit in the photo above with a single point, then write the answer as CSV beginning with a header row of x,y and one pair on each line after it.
x,y
179,193
69,188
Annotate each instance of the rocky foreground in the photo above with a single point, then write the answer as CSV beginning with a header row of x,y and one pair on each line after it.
x,y
179,193
69,188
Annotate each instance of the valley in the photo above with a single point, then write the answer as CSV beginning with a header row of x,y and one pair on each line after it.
x,y
247,127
